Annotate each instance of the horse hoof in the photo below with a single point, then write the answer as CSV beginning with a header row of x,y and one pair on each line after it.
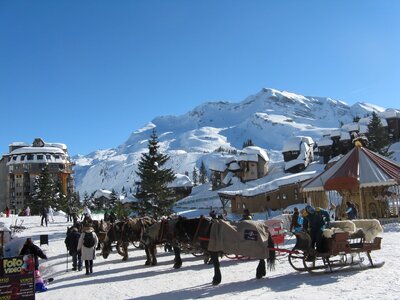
x,y
216,282
124,258
177,266
147,263
154,263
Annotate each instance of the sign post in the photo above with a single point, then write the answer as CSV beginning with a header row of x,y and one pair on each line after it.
x,y
17,279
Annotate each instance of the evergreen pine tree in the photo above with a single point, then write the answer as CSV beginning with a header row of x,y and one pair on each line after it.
x,y
248,143
378,139
86,200
113,200
203,173
43,193
60,200
195,176
154,196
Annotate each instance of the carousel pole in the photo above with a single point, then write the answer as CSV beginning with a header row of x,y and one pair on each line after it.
x,y
362,214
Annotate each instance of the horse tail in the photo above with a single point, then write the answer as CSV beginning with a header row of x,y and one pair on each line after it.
x,y
271,254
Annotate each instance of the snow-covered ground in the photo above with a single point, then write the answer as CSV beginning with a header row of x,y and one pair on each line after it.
x,y
115,279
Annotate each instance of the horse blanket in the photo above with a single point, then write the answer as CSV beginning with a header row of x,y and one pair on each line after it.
x,y
248,238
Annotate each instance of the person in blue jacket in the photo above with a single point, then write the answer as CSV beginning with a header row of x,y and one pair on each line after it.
x,y
315,221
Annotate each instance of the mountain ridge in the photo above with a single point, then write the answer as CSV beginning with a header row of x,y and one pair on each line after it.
x,y
267,117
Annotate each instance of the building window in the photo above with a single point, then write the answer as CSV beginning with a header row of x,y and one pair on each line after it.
x,y
296,194
29,157
48,156
14,158
22,157
56,156
39,156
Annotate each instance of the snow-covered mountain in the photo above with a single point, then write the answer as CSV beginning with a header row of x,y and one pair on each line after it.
x,y
268,118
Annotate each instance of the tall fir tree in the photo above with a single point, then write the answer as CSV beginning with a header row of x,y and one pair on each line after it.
x,y
86,200
378,139
248,143
60,199
203,173
113,200
154,196
195,176
44,191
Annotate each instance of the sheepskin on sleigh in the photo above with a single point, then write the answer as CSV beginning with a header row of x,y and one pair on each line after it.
x,y
370,228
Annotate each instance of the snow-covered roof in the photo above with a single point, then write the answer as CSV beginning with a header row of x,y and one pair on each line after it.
x,y
367,120
37,155
220,163
293,144
57,145
363,129
18,144
29,150
251,153
180,181
350,127
234,166
345,136
273,184
390,113
336,133
102,193
325,142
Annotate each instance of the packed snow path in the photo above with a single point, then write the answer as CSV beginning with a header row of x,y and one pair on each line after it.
x,y
115,279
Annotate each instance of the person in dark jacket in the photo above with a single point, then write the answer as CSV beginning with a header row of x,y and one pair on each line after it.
x,y
44,215
71,242
351,210
246,215
315,221
296,225
30,248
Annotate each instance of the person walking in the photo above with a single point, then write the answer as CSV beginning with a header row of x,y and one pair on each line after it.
x,y
27,211
44,215
30,248
7,212
87,245
71,242
51,214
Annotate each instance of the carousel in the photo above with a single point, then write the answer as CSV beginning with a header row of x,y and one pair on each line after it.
x,y
369,180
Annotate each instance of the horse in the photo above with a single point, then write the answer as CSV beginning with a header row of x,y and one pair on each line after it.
x,y
160,233
209,235
125,232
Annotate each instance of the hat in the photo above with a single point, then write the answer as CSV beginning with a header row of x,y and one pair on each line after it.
x,y
310,209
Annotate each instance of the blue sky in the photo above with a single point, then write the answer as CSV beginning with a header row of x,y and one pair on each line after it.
x,y
89,73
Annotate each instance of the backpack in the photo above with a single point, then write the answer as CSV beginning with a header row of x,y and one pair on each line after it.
x,y
88,240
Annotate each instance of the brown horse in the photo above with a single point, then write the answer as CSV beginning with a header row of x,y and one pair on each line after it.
x,y
160,233
125,232
208,234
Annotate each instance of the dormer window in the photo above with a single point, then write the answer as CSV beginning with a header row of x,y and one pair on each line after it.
x,y
29,157
48,156
22,157
39,156
56,156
